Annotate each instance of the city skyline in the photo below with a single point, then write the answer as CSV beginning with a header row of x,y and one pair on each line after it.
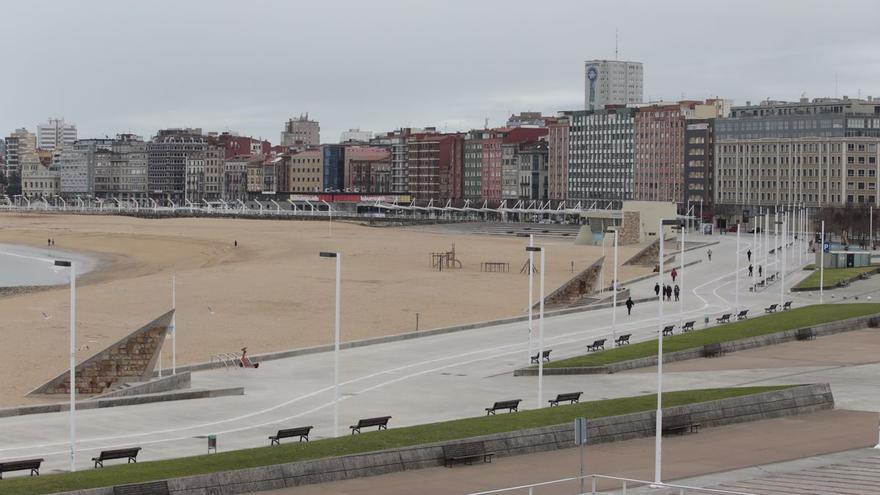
x,y
250,79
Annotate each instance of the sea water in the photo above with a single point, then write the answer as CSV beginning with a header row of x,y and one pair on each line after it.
x,y
28,266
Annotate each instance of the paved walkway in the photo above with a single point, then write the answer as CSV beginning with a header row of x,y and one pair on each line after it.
x,y
424,380
710,451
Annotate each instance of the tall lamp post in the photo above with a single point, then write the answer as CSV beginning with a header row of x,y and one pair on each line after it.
x,y
736,278
614,289
338,256
531,291
532,249
822,265
658,442
782,272
72,379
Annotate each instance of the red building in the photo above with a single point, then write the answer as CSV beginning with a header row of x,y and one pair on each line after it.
x,y
491,158
435,166
239,145
557,159
658,162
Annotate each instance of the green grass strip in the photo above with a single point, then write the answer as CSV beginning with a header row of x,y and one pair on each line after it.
x,y
366,442
833,276
753,327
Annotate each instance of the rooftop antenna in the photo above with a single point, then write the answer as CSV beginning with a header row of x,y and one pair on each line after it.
x,y
615,43
835,84
486,123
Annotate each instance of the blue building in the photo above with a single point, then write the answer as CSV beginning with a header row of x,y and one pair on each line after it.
x,y
334,167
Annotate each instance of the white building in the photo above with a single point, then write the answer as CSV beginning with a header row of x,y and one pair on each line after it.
x,y
612,82
78,164
55,134
356,135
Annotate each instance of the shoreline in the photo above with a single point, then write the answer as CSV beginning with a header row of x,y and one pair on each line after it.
x,y
87,263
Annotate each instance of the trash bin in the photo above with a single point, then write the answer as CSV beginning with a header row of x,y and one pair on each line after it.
x,y
212,443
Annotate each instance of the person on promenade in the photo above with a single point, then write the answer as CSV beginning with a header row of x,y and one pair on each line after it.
x,y
677,291
629,305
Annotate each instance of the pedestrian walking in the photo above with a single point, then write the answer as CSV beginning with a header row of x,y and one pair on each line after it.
x,y
657,289
629,305
760,271
48,242
750,270
749,255
677,292
668,292
709,252
674,274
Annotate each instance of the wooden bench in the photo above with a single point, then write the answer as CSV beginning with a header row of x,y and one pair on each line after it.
x,y
33,465
302,432
712,350
622,339
381,422
771,309
465,453
596,345
668,330
545,355
687,327
510,405
786,305
742,315
571,397
108,455
149,488
725,318
805,334
680,424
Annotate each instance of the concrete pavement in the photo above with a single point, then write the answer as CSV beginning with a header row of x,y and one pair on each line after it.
x,y
712,450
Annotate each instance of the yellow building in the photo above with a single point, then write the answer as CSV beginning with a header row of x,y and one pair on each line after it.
x,y
306,171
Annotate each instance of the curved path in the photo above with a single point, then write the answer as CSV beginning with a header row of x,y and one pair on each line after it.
x,y
415,381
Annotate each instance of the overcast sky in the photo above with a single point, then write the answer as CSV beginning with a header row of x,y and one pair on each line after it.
x,y
248,65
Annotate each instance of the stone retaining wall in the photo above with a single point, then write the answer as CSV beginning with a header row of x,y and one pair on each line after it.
x,y
576,288
164,384
788,402
822,329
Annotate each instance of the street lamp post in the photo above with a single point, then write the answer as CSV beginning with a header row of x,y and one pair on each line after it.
x,y
174,325
822,265
658,441
338,256
540,249
614,296
736,277
782,279
531,292
72,415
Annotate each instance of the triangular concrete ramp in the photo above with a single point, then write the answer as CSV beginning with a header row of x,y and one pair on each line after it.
x,y
133,358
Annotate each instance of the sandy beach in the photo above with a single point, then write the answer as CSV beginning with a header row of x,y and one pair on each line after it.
x,y
271,292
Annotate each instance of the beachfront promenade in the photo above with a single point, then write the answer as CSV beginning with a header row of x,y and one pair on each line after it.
x,y
427,379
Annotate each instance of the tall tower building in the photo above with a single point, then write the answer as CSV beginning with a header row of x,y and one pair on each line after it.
x,y
301,132
55,134
612,82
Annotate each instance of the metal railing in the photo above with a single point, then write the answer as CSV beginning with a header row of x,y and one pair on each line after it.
x,y
620,485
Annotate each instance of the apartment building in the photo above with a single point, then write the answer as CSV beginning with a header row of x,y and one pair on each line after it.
x,y
434,164
822,153
305,171
557,158
600,154
167,157
55,134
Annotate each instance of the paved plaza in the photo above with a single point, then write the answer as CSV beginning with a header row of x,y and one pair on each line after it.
x,y
437,378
